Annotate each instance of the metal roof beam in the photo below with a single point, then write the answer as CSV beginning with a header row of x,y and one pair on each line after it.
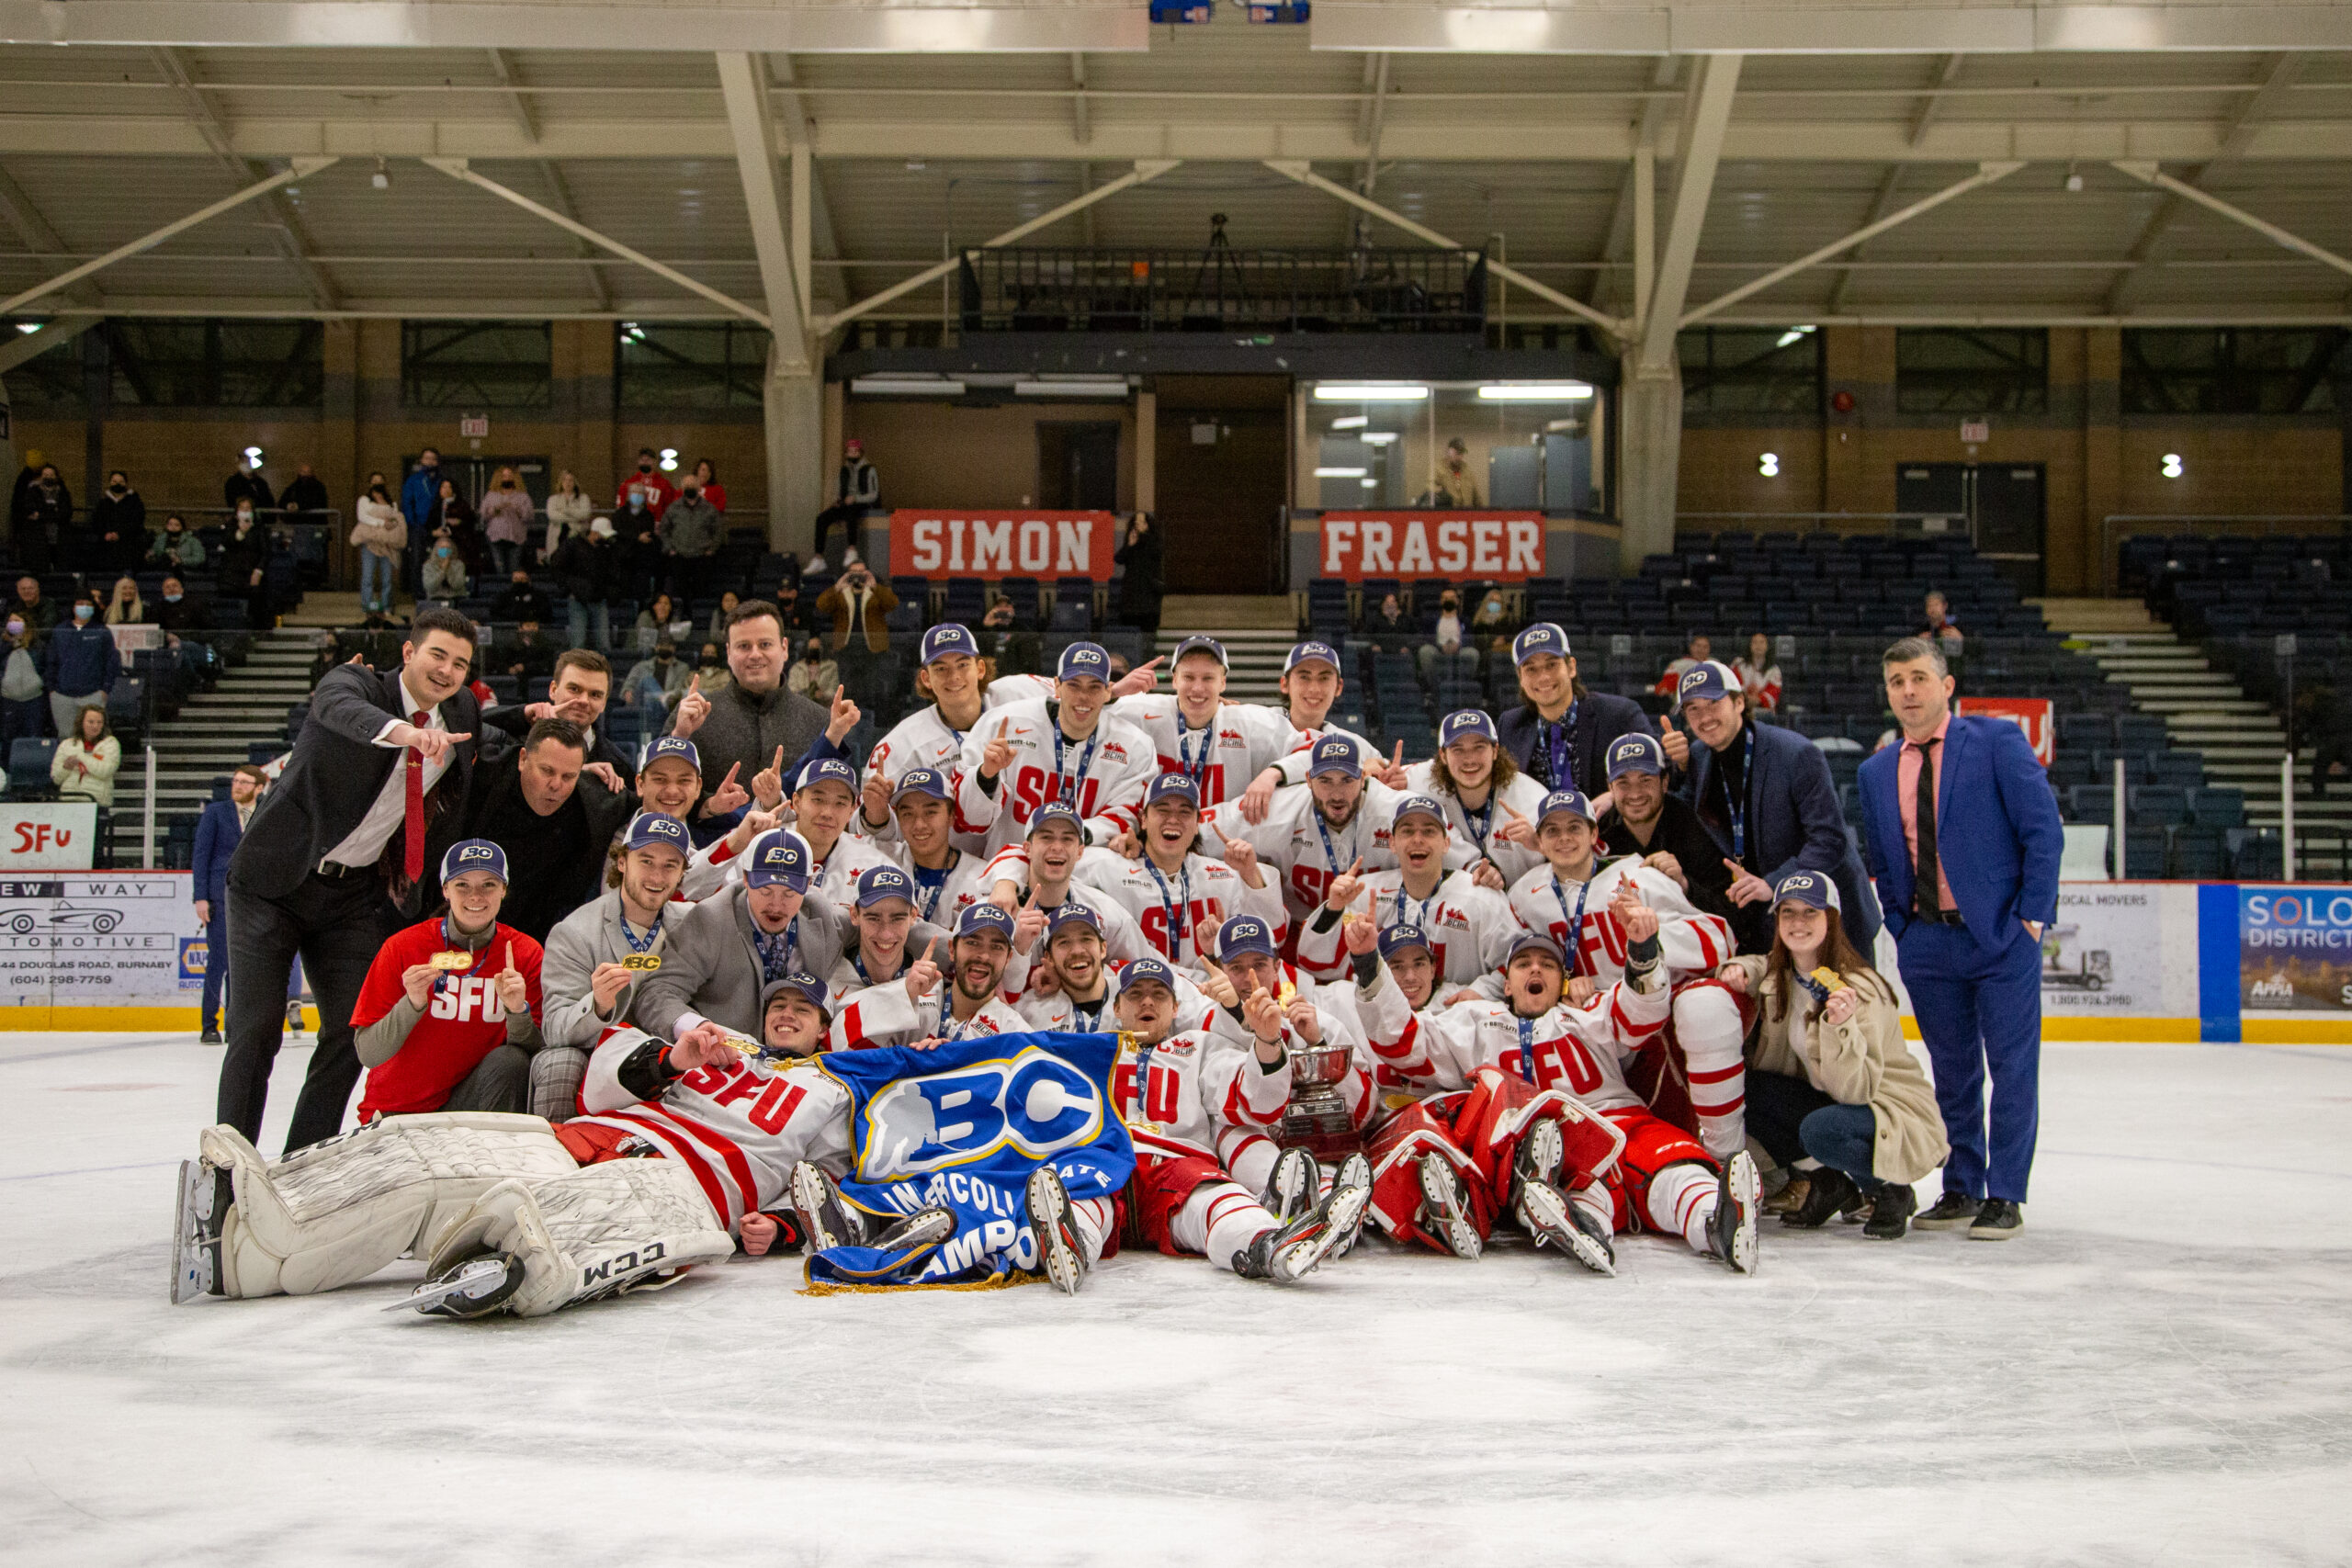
x,y
1706,113
22,346
25,218
2150,175
1080,125
526,119
750,119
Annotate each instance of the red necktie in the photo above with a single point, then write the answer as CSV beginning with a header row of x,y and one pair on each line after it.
x,y
414,862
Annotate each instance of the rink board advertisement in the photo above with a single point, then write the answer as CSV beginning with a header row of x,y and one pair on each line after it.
x,y
2104,957
47,835
2295,951
105,950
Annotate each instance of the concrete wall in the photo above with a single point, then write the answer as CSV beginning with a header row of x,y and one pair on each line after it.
x,y
937,455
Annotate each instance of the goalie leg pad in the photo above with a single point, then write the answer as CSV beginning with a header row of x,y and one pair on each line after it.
x,y
594,1230
1395,1153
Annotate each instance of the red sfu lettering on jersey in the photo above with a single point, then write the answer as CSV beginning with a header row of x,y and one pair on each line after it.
x,y
1211,780
1558,1060
1310,884
1034,787
1160,1098
1199,914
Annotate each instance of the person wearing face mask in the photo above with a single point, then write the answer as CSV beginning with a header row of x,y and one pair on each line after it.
x,y
181,617
83,665
418,493
444,572
175,547
506,519
707,472
23,715
692,532
648,482
1450,642
1492,623
245,483
40,516
813,675
380,535
119,525
243,555
654,684
305,499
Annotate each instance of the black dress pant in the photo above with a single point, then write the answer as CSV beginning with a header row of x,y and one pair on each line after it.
x,y
1777,1106
335,925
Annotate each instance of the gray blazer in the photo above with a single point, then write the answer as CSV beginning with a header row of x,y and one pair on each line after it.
x,y
588,936
710,964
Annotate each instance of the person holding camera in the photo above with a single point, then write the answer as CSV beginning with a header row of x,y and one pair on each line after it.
x,y
860,607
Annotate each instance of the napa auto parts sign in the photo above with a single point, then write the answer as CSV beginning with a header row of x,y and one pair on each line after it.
x,y
944,542
1505,546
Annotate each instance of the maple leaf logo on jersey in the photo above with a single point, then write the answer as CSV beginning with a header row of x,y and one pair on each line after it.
x,y
1453,918
1173,1048
1113,748
1228,735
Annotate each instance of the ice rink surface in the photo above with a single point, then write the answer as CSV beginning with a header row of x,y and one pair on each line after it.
x,y
2158,1372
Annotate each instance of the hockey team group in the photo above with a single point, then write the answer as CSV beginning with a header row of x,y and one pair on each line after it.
x,y
1345,988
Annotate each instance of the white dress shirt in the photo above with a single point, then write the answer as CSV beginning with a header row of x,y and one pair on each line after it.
x,y
364,846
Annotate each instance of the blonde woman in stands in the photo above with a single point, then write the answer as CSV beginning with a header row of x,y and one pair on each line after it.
x,y
85,763
380,535
505,514
126,608
567,514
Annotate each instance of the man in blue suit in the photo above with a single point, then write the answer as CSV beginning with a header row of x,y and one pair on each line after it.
x,y
218,833
1968,885
1766,797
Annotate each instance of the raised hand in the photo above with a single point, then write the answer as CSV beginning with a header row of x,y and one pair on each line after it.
x,y
1218,986
538,711
605,984
1345,886
1391,772
753,824
843,718
693,708
430,744
1137,680
1747,887
1358,934
1666,864
1125,845
1841,1007
417,983
730,793
1263,1015
514,992
1242,856
1305,1022
1517,830
704,1045
874,803
1581,989
1259,798
1677,744
1486,874
997,755
1028,925
1006,895
922,975
767,784
1639,921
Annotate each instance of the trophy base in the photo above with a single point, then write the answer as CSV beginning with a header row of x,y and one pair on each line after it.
x,y
1326,1138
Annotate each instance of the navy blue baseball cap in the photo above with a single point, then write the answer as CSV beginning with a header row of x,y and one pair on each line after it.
x,y
651,828
1464,722
1335,754
1061,811
474,855
778,855
876,882
800,982
1073,913
1570,801
1708,678
1311,651
1542,638
828,770
1811,888
922,780
1245,933
1636,754
1403,935
950,637
1083,661
1417,806
984,916
1535,941
1173,785
1155,970
671,746
1197,643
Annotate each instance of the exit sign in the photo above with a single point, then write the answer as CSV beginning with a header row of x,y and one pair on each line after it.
x,y
1975,431
473,426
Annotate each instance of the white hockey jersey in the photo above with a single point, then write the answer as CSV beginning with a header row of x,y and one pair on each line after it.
x,y
886,1015
1176,1096
1304,853
1178,912
1293,764
940,901
1240,741
1054,1011
1470,928
739,1127
1103,776
1483,831
1694,942
925,739
833,880
1121,936
1578,1050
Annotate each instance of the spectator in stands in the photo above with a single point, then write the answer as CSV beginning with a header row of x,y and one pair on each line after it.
x,y
526,654
1766,795
729,603
742,725
419,492
243,554
454,512
327,652
1940,624
856,487
41,519
813,675
649,484
37,612
35,460
83,664
245,483
588,565
176,546
712,672
281,578
1697,651
693,532
2326,729
84,765
1454,484
553,819
1560,734
124,607
567,514
119,525
860,608
306,499
1491,628
380,535
1645,820
23,715
218,832
660,620
1450,642
790,608
178,612
445,570
638,526
1390,629
1010,649
1758,676
506,519
707,475
521,599
1144,582
579,685
654,684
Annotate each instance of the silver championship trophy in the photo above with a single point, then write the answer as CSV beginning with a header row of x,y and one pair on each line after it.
x,y
1317,1118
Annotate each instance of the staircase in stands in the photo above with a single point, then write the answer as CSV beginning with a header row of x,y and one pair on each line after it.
x,y
211,733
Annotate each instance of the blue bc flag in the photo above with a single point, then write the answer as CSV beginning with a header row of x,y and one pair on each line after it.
x,y
961,1126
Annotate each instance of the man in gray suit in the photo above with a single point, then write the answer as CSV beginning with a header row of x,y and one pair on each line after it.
x,y
737,940
587,976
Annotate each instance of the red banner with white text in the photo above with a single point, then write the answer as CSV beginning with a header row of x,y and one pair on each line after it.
x,y
2031,715
1507,547
941,542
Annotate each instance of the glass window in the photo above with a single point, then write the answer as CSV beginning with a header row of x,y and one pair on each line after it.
x,y
477,365
1750,370
217,364
2231,369
690,365
47,383
1454,446
1972,370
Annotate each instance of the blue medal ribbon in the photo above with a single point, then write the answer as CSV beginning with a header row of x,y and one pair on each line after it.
x,y
1526,1047
1422,916
931,885
630,936
1198,773
1085,761
1575,920
1178,908
1560,748
1737,808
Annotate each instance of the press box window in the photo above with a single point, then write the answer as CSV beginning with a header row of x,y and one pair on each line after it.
x,y
682,365
477,365
1962,370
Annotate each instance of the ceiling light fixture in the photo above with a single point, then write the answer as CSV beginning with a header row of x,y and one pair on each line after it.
x,y
1370,392
1535,393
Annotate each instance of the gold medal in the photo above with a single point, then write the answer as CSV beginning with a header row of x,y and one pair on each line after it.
x,y
1287,994
644,961
450,960
1829,979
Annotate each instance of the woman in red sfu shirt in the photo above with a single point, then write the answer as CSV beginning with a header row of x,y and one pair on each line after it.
x,y
449,1016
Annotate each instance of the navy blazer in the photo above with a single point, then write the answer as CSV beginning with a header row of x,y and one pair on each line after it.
x,y
1796,823
217,835
1997,830
1601,717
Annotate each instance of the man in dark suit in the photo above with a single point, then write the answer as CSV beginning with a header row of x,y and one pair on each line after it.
x,y
1767,798
371,797
1560,736
1969,880
218,833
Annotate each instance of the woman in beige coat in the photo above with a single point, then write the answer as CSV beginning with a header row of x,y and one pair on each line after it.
x,y
1833,1090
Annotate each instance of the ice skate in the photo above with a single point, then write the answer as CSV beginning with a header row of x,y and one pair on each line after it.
x,y
1287,1252
475,1288
204,1202
1354,1174
1554,1221
1446,1208
1290,1191
293,1018
1061,1253
1540,1155
921,1228
827,1219
1732,1227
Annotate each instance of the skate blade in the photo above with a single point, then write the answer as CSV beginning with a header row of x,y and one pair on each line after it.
x,y
1551,1224
1746,1240
1355,1171
433,1292
189,1269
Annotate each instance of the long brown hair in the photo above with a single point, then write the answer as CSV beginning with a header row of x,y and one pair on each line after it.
x,y
1441,777
1838,953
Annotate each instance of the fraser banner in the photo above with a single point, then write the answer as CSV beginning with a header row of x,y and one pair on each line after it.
x,y
1505,546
